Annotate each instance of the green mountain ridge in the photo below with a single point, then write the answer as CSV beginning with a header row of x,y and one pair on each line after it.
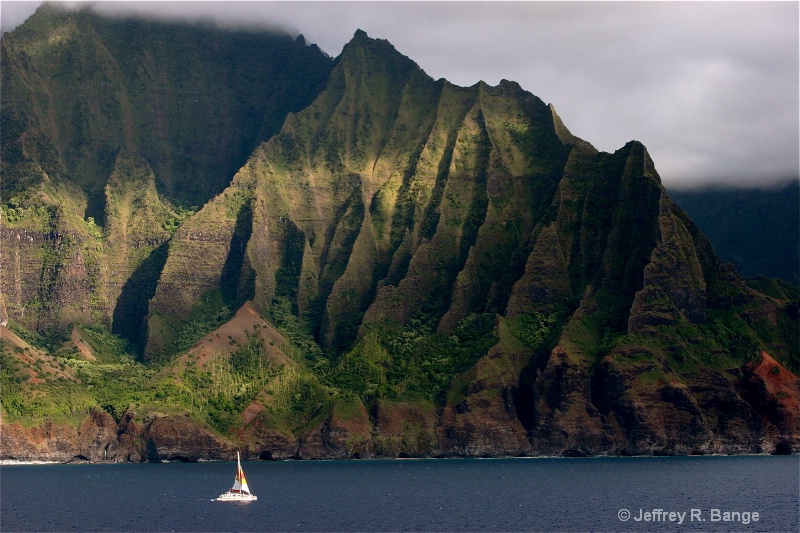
x,y
404,267
193,101
758,230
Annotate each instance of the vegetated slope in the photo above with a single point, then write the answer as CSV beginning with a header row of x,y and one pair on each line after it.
x,y
449,271
109,125
458,249
192,101
758,230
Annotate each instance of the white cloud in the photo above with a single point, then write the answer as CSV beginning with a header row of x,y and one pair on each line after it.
x,y
711,88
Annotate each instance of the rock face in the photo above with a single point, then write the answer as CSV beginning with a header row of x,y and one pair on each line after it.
x,y
774,393
95,440
100,439
485,423
175,438
416,268
345,434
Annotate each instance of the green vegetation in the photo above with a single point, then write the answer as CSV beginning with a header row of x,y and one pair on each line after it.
x,y
34,338
35,385
413,363
222,387
299,332
106,347
532,329
181,214
410,363
210,313
19,208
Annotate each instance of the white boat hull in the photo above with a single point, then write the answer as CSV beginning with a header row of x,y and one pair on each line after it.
x,y
236,497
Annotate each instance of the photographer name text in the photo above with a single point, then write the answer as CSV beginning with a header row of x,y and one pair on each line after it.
x,y
692,515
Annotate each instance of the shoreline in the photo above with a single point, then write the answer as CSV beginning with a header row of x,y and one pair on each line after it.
x,y
14,462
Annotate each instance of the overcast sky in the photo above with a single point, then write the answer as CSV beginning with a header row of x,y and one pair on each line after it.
x,y
711,88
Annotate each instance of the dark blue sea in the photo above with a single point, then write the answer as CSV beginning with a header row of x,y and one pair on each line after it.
x,y
597,494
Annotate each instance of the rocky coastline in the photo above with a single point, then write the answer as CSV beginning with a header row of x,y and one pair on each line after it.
x,y
763,421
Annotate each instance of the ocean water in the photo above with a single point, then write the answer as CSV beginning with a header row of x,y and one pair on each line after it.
x,y
547,494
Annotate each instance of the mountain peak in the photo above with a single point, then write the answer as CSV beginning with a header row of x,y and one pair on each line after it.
x,y
365,50
360,38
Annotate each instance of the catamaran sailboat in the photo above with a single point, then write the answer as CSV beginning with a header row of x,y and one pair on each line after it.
x,y
240,492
